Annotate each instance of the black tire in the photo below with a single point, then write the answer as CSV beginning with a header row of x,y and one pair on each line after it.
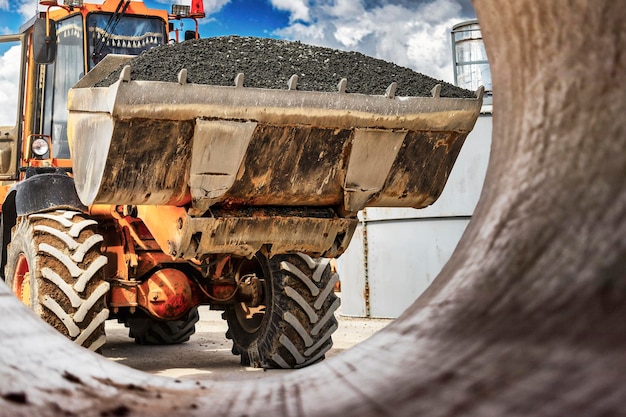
x,y
293,328
55,267
151,331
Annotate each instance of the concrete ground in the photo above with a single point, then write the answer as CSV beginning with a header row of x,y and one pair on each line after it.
x,y
207,354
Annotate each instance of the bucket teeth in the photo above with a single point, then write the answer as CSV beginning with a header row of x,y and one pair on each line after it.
x,y
125,74
292,84
239,80
391,90
182,76
436,91
341,86
480,92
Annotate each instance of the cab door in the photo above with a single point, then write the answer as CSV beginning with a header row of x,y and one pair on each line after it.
x,y
66,70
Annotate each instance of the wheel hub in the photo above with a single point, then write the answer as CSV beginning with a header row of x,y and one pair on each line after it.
x,y
252,295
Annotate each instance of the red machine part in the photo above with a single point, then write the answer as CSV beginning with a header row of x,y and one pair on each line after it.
x,y
197,8
167,294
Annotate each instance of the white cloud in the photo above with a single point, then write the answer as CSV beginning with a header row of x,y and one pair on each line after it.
x,y
351,36
27,9
298,9
9,77
415,34
339,8
214,6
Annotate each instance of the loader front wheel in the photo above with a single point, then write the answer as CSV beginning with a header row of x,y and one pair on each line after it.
x,y
54,266
293,325
151,331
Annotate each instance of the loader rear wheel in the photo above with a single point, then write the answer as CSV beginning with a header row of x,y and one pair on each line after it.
x,y
55,267
293,326
150,331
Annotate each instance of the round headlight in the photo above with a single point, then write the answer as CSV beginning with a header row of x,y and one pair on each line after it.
x,y
40,147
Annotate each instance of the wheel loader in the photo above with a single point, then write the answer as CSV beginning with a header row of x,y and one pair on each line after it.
x,y
142,200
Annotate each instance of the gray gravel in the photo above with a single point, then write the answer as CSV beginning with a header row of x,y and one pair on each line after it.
x,y
269,63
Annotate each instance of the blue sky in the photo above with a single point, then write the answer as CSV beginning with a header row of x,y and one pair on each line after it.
x,y
241,17
245,18
410,33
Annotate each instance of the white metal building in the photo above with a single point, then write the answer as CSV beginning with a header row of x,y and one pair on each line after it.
x,y
397,252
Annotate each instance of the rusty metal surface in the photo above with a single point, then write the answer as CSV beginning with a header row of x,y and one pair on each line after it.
x,y
218,150
174,101
260,148
167,294
291,166
147,163
421,169
245,233
123,294
282,147
315,231
372,155
245,236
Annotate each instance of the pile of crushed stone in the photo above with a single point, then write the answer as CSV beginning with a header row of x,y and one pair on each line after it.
x,y
270,63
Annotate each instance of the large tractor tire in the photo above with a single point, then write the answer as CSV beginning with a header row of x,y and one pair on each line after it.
x,y
55,267
150,331
292,327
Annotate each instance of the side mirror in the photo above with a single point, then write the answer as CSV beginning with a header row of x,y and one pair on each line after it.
x,y
44,42
190,34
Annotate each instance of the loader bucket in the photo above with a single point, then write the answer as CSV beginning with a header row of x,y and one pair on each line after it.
x,y
149,142
174,143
